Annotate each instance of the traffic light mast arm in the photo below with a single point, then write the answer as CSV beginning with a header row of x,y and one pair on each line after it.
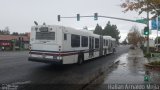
x,y
120,19
107,17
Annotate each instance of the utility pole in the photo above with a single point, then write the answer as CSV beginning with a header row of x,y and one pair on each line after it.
x,y
157,30
148,28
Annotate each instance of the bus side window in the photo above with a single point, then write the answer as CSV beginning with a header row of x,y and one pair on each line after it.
x,y
84,41
96,43
65,36
75,40
106,42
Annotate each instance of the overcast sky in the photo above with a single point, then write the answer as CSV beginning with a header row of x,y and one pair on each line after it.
x,y
19,15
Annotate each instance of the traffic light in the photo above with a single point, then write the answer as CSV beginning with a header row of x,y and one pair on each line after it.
x,y
146,31
95,16
78,17
59,18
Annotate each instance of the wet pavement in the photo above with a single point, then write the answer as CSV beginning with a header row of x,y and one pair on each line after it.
x,y
15,68
130,70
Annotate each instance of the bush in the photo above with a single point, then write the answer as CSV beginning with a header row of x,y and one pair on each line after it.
x,y
156,63
147,54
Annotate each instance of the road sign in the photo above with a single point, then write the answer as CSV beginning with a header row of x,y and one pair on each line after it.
x,y
144,21
154,24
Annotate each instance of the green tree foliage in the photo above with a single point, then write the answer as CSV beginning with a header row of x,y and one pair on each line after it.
x,y
15,33
98,30
110,30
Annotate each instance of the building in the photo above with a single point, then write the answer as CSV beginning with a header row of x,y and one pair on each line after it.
x,y
151,43
11,41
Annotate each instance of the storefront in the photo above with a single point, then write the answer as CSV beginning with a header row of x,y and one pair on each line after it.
x,y
7,45
11,42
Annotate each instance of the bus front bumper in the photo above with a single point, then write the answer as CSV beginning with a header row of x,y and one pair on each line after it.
x,y
45,60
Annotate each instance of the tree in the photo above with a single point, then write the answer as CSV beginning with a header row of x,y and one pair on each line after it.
x,y
15,33
111,30
124,42
0,32
107,29
5,31
98,30
134,36
141,6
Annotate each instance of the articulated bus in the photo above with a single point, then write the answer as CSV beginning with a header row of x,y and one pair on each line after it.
x,y
65,45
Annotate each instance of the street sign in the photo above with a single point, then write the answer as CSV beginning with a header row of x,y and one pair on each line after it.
x,y
144,21
154,24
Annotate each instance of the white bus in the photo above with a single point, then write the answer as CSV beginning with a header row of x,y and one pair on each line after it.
x,y
65,45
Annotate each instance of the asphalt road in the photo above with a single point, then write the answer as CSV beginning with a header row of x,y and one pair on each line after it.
x,y
15,68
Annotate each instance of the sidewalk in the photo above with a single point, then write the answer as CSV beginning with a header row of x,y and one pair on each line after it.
x,y
131,70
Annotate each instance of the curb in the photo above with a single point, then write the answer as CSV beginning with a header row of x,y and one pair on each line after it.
x,y
98,75
152,66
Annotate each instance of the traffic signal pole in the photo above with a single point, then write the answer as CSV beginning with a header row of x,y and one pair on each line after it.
x,y
157,32
148,28
59,18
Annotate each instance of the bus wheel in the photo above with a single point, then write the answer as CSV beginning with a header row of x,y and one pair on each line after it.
x,y
80,60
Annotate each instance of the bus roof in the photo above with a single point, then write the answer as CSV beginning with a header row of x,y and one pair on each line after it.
x,y
107,37
69,30
113,39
